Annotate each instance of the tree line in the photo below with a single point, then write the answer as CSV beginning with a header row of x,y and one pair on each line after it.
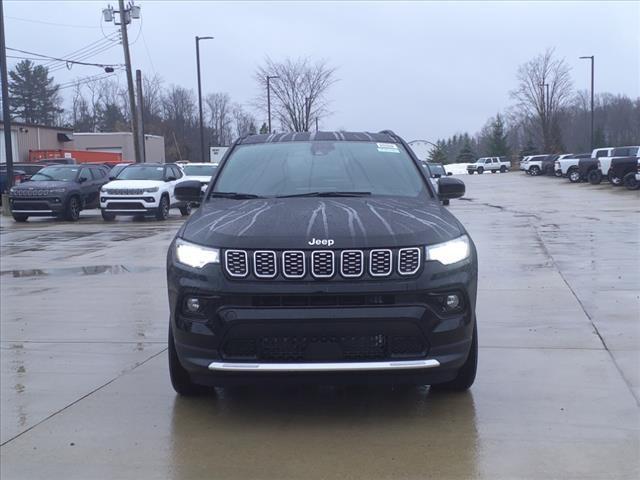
x,y
298,100
548,116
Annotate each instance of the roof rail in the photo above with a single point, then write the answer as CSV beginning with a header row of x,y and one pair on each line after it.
x,y
391,133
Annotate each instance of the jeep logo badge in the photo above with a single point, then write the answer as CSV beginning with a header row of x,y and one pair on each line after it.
x,y
316,242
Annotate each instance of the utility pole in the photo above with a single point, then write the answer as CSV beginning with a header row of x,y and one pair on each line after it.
x,y
269,77
202,157
126,14
592,58
140,113
316,124
6,114
307,108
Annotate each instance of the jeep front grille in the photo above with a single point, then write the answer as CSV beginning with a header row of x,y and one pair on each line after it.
x,y
236,262
408,261
322,264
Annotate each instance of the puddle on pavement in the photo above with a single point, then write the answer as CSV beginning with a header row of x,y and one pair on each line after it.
x,y
82,271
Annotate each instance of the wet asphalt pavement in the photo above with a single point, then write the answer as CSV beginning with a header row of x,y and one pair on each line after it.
x,y
85,391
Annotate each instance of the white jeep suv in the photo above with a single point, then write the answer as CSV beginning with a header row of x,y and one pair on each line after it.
x,y
143,189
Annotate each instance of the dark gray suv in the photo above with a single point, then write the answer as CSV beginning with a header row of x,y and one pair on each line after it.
x,y
58,190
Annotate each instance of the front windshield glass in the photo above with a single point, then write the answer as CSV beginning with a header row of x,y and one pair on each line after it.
x,y
142,172
199,170
61,174
437,170
115,171
298,168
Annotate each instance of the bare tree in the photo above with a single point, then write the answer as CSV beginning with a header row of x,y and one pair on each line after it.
x,y
220,119
533,100
245,123
299,94
179,126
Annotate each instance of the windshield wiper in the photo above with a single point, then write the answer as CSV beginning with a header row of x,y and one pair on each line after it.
x,y
326,194
233,195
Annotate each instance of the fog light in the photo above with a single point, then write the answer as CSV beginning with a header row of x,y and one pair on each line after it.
x,y
452,302
193,304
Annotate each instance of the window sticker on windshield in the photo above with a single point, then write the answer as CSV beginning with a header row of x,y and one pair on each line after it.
x,y
388,147
159,168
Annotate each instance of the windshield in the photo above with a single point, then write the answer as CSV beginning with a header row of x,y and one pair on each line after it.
x,y
437,169
142,172
299,168
115,171
199,170
61,174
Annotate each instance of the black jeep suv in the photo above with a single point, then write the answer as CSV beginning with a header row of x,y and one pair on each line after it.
x,y
58,190
322,257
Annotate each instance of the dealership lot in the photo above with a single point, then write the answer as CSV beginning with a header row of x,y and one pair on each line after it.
x,y
85,390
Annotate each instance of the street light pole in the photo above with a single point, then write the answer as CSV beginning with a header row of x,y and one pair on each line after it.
x,y
592,58
200,96
6,113
269,77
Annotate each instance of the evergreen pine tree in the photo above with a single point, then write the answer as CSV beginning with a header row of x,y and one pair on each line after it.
x,y
34,96
497,144
529,149
438,154
264,128
466,155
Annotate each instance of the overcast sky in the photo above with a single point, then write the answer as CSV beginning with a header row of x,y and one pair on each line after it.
x,y
424,69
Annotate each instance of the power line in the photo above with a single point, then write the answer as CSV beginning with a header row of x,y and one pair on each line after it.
x,y
85,80
66,60
83,57
91,46
50,23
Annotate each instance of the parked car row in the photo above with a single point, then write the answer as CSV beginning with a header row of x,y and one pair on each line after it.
x,y
64,190
619,165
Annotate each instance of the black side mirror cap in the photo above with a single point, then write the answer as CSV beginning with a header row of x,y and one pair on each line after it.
x,y
111,177
449,188
82,179
170,179
449,174
189,191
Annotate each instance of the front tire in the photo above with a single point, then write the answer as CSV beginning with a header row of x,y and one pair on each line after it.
x,y
180,378
185,210
470,172
467,373
72,212
108,216
19,217
594,177
574,175
480,171
630,182
163,209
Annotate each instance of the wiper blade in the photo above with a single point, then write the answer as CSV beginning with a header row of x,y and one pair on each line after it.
x,y
326,194
234,195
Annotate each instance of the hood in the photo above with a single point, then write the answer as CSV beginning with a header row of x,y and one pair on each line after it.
x,y
292,223
134,184
40,184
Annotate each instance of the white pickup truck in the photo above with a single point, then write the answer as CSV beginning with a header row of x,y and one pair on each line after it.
x,y
567,166
486,164
604,164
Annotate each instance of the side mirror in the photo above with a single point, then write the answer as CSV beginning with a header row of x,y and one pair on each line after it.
x,y
189,191
449,174
170,179
82,179
449,188
111,177
437,175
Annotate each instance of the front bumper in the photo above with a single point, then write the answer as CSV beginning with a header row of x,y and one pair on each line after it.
x,y
37,206
321,331
129,204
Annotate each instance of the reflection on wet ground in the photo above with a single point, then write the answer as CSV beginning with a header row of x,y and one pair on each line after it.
x,y
93,270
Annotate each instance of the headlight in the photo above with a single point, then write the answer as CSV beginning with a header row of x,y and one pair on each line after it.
x,y
194,255
103,190
150,190
449,252
57,190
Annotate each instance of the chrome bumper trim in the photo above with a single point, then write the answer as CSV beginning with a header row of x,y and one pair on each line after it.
x,y
323,367
32,211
